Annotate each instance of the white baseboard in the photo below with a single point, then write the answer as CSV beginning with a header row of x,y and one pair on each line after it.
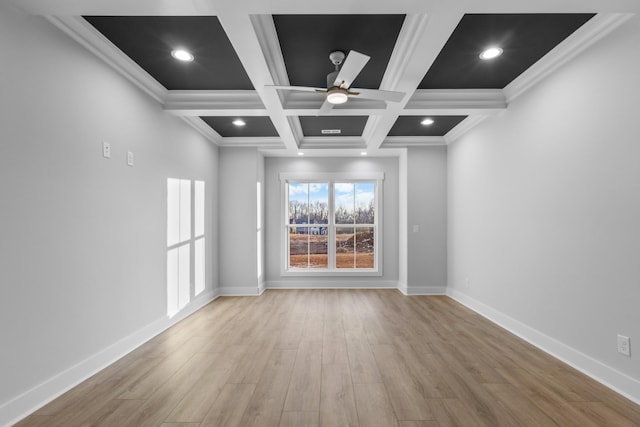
x,y
617,381
240,291
421,290
331,284
28,402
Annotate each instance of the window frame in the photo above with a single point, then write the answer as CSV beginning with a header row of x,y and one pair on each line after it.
x,y
331,178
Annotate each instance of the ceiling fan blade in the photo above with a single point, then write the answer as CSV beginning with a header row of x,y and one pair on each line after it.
x,y
325,109
384,95
350,69
299,88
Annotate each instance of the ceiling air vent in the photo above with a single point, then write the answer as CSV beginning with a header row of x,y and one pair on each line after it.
x,y
331,131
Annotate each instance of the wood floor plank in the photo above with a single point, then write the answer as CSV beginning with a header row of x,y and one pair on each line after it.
x,y
196,403
337,401
374,408
406,393
229,407
265,406
337,358
361,361
304,387
419,424
299,419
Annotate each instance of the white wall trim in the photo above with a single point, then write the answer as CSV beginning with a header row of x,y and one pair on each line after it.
x,y
31,400
424,290
617,381
240,291
331,284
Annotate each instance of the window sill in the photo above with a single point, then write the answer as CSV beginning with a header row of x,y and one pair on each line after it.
x,y
331,273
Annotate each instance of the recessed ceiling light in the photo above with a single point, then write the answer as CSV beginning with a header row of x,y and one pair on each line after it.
x,y
300,153
182,55
238,122
364,153
491,52
426,122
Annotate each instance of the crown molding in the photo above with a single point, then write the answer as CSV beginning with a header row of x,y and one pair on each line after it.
x,y
412,141
592,31
214,103
455,101
204,129
332,142
85,34
257,142
463,127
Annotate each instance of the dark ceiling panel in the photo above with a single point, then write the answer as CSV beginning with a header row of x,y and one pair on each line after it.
x,y
307,40
256,126
348,125
149,40
524,38
411,126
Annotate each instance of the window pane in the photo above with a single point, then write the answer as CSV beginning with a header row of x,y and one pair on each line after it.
x,y
298,203
199,208
364,247
365,202
318,203
199,266
185,210
173,211
298,247
318,249
345,254
344,202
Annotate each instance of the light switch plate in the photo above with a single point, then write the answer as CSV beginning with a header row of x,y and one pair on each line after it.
x,y
130,158
106,150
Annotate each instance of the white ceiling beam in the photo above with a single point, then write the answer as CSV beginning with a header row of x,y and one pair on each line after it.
x,y
418,45
240,30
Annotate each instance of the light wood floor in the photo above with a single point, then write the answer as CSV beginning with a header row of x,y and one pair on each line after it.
x,y
337,358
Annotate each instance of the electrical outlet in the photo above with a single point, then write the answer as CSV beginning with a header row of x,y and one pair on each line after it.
x,y
623,345
130,158
416,228
106,150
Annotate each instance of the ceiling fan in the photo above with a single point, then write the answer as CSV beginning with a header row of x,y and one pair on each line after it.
x,y
339,82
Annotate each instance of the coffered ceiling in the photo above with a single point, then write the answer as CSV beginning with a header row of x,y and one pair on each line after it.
x,y
429,51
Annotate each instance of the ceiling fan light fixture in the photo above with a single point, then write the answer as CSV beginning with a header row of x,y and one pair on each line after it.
x,y
182,55
491,52
337,95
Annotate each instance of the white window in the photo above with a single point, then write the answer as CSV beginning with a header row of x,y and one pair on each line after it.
x,y
185,236
331,224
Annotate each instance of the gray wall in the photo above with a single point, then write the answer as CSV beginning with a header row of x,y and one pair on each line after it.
x,y
274,166
83,249
544,204
240,170
427,209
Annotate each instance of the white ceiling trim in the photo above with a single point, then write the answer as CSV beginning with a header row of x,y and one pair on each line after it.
x,y
592,31
463,127
413,141
204,129
85,34
214,103
455,101
268,142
